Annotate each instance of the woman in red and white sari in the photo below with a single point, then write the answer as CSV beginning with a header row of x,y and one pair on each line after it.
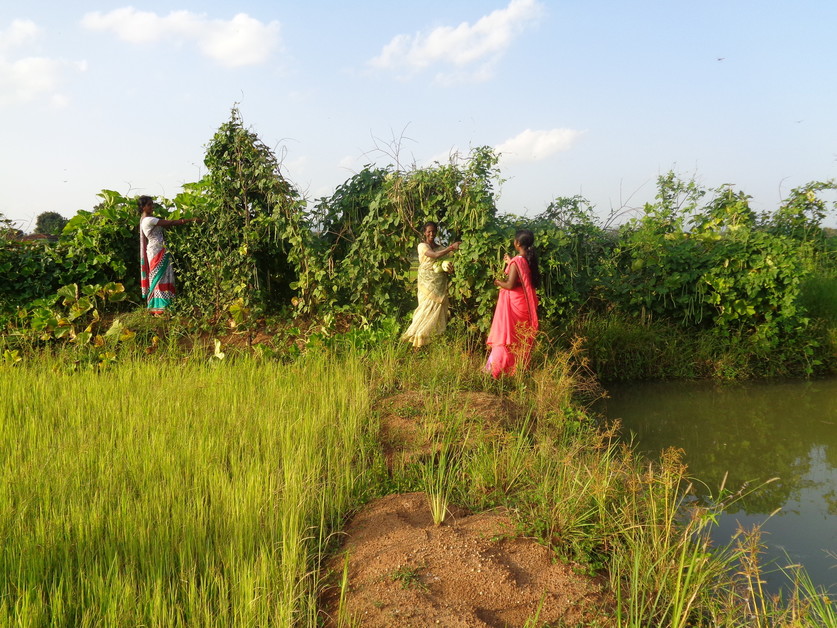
x,y
156,272
515,320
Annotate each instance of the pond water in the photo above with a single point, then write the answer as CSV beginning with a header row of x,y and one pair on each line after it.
x,y
752,432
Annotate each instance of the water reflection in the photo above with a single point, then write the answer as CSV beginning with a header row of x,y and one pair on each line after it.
x,y
751,432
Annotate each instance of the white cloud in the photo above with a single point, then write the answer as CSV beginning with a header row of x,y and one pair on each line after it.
x,y
26,79
240,41
537,145
471,50
19,33
349,162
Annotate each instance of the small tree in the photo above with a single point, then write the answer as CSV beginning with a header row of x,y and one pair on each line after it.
x,y
50,223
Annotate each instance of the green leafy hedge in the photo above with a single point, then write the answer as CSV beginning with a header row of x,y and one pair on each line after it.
x,y
697,258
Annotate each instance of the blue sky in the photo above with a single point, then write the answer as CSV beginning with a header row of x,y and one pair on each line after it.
x,y
585,97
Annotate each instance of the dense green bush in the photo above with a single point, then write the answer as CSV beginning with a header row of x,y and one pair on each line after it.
x,y
368,231
250,245
102,245
708,267
697,259
95,247
28,271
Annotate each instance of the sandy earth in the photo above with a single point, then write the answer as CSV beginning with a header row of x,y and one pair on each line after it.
x,y
473,570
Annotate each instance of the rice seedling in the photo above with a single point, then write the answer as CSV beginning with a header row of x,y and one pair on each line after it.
x,y
534,620
344,617
166,494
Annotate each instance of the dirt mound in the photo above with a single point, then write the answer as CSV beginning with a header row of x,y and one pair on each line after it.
x,y
410,420
471,571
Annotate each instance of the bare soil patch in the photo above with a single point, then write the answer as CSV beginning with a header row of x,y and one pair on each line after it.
x,y
471,571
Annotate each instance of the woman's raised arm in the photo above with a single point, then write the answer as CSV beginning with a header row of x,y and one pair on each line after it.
x,y
441,252
163,222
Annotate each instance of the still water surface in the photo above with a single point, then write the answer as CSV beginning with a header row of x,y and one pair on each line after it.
x,y
753,432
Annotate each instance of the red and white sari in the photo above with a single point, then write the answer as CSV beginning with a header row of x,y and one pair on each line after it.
x,y
156,272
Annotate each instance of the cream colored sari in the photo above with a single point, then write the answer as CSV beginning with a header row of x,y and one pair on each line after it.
x,y
431,315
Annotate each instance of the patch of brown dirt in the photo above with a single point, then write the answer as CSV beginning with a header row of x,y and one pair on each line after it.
x,y
410,419
470,572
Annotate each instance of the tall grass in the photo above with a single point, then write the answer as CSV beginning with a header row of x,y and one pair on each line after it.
x,y
583,491
819,296
176,494
621,348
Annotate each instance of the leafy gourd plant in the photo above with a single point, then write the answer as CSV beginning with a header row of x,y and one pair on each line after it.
x,y
368,231
74,314
95,247
707,264
572,246
801,214
102,245
654,267
353,251
250,245
750,278
28,271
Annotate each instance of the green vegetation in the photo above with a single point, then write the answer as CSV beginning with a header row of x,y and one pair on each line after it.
x,y
740,295
195,470
161,493
50,223
188,489
408,577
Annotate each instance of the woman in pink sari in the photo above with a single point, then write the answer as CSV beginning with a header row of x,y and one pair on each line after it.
x,y
515,320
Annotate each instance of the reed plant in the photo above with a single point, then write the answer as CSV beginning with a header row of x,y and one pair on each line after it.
x,y
809,604
664,572
344,616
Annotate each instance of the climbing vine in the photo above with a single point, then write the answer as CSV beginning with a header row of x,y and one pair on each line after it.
x,y
250,244
694,257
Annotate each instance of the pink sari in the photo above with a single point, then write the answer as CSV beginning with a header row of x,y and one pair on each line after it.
x,y
515,323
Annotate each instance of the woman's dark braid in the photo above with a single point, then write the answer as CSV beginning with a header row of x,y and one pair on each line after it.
x,y
526,240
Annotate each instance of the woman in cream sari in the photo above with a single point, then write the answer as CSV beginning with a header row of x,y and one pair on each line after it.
x,y
431,315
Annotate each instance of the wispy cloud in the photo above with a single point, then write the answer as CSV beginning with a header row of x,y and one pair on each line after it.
x,y
241,41
537,145
19,33
463,52
27,79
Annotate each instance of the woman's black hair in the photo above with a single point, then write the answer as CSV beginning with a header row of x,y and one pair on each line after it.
x,y
429,223
526,240
142,201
